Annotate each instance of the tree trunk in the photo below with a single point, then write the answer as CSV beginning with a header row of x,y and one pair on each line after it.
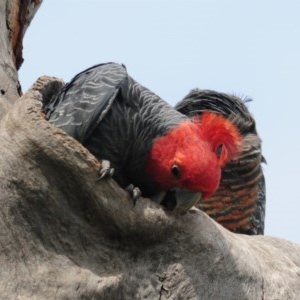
x,y
64,235
15,17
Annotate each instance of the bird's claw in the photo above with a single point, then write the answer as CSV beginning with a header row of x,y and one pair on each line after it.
x,y
105,170
135,192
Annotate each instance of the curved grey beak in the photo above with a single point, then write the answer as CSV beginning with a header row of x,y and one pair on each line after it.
x,y
185,199
179,201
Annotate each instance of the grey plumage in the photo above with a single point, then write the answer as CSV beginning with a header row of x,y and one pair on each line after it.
x,y
114,117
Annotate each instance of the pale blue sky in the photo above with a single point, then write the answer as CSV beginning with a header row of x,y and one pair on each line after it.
x,y
249,48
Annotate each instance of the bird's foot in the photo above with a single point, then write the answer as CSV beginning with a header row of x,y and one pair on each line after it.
x,y
105,170
134,192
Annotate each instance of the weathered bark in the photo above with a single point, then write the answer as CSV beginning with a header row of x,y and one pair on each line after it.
x,y
66,236
15,17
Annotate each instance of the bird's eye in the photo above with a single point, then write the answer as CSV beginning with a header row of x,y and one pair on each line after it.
x,y
175,171
219,150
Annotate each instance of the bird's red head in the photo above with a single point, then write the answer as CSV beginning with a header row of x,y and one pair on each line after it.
x,y
192,155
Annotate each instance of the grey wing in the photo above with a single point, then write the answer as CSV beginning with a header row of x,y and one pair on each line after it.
x,y
85,100
242,187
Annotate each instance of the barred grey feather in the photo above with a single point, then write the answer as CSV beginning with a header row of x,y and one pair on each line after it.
x,y
114,117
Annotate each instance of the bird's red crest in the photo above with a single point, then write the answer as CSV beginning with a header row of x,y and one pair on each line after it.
x,y
222,134
191,155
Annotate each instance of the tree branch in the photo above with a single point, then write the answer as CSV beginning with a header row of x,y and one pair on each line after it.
x,y
15,17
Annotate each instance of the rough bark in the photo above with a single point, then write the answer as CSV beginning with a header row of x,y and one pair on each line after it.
x,y
66,236
15,17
